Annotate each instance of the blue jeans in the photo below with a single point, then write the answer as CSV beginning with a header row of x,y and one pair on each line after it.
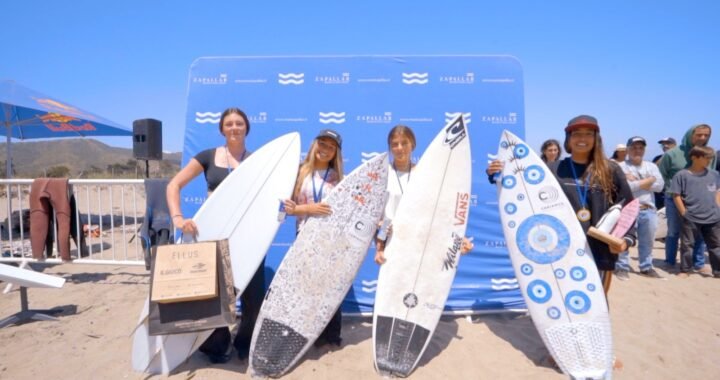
x,y
646,227
674,225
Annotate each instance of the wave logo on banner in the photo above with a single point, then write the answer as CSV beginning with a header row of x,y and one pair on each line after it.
x,y
332,117
207,117
491,157
450,116
415,78
369,286
504,284
291,78
367,156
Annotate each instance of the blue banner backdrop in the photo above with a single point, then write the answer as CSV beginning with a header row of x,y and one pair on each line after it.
x,y
363,97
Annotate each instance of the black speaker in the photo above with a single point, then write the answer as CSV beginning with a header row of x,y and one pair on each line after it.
x,y
147,139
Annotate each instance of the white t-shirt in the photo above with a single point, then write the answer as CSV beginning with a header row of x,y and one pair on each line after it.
x,y
397,184
323,182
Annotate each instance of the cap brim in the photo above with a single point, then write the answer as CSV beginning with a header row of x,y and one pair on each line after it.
x,y
573,127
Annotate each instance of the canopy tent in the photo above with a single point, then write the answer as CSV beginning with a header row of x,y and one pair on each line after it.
x,y
28,114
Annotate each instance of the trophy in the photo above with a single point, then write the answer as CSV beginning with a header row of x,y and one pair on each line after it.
x,y
615,223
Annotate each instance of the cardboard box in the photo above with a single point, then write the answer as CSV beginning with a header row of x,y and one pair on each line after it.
x,y
198,315
184,272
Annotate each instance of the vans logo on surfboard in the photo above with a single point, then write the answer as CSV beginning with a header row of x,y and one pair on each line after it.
x,y
455,132
453,252
461,208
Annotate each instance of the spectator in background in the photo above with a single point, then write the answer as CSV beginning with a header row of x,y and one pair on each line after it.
x,y
644,178
667,144
674,160
695,192
619,153
550,151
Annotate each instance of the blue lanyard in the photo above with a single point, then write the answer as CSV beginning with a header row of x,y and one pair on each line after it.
x,y
227,158
398,177
317,195
584,185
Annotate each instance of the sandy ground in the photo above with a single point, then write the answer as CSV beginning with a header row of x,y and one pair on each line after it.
x,y
663,329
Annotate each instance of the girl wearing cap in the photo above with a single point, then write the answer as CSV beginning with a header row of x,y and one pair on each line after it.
x,y
319,173
550,151
593,184
401,142
217,163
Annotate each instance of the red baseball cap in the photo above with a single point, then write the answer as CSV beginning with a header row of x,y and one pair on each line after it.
x,y
582,121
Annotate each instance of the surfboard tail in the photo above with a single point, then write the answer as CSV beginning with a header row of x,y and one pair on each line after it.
x,y
583,350
276,349
398,345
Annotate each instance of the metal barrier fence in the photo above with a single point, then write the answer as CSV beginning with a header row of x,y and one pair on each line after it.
x,y
110,213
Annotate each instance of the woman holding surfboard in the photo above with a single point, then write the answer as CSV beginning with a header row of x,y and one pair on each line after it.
x,y
319,173
401,142
593,184
217,163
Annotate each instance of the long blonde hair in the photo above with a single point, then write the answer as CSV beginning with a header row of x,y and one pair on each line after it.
x,y
308,165
598,168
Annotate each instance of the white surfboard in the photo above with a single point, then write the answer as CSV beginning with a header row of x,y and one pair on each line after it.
x,y
317,271
422,252
29,278
243,209
555,269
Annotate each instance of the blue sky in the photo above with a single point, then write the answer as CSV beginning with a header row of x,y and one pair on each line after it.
x,y
641,67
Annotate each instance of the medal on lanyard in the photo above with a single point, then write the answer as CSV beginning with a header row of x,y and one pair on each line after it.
x,y
583,214
317,196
